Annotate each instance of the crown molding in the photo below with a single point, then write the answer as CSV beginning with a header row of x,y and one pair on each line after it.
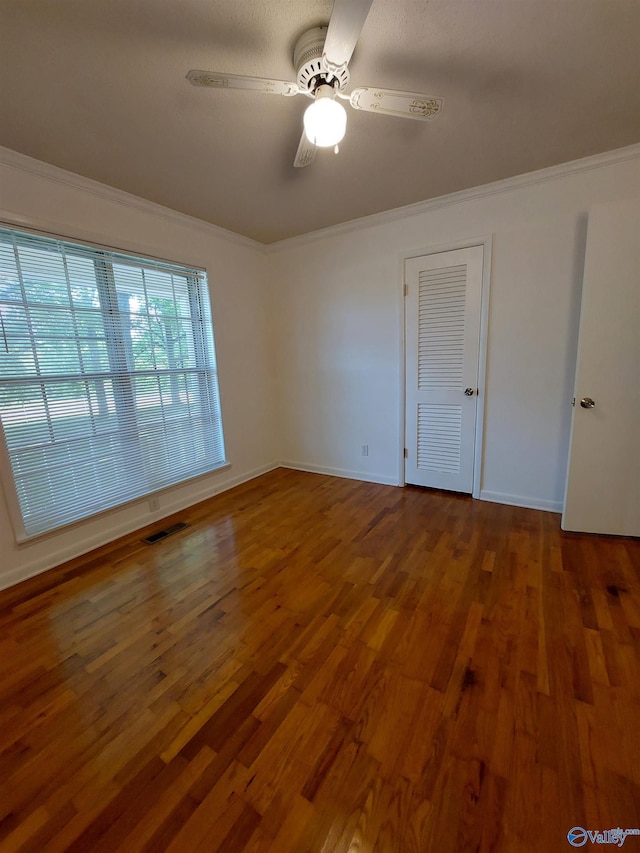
x,y
29,165
528,179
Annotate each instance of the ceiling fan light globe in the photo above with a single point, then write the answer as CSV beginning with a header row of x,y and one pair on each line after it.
x,y
325,122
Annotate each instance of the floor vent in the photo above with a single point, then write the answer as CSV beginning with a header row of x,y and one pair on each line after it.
x,y
162,534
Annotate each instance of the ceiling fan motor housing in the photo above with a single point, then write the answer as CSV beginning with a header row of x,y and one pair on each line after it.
x,y
307,60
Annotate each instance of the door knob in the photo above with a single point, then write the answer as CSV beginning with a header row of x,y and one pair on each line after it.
x,y
469,392
587,403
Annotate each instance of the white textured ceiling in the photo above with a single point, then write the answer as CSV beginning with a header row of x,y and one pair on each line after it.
x,y
98,87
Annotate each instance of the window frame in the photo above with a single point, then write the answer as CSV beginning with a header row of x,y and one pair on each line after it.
x,y
206,367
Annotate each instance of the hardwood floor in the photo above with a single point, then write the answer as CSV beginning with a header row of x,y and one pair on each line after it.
x,y
318,664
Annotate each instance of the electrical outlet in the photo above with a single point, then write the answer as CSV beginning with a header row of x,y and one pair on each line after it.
x,y
154,504
365,449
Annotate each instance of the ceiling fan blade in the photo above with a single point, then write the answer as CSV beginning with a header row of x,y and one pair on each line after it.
x,y
306,152
345,26
217,80
392,103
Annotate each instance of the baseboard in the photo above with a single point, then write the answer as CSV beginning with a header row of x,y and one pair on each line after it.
x,y
178,505
79,548
83,546
365,476
521,500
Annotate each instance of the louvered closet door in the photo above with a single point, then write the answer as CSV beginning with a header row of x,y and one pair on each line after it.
x,y
442,346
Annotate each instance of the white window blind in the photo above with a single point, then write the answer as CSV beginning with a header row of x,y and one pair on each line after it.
x,y
108,381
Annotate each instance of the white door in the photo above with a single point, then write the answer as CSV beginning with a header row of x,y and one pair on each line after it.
x,y
442,321
603,478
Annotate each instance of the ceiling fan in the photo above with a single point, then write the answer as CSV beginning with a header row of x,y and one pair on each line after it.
x,y
321,58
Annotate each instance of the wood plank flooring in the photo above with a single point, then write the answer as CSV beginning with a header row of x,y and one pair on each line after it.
x,y
318,664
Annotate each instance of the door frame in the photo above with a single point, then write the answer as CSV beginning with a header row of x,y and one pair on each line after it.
x,y
433,249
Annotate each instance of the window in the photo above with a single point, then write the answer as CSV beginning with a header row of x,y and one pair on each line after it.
x,y
108,382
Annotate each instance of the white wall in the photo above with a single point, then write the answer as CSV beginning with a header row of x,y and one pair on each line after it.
x,y
36,195
338,302
309,333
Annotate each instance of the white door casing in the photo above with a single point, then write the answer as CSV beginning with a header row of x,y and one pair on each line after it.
x,y
442,327
603,474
